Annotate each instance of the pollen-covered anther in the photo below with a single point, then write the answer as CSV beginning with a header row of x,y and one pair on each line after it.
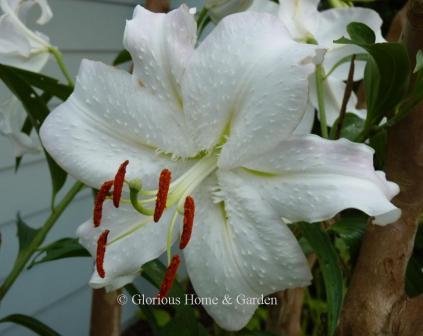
x,y
103,192
118,183
101,251
169,277
164,183
189,211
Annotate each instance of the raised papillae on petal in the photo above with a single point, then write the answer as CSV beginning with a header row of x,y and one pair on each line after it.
x,y
170,276
163,190
118,183
101,251
99,200
313,179
189,211
161,46
252,93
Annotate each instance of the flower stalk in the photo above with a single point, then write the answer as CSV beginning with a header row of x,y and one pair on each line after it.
x,y
320,97
59,59
23,258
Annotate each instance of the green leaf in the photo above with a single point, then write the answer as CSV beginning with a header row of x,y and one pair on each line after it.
x,y
184,322
419,61
330,268
387,73
25,234
58,176
360,33
351,127
414,274
60,249
378,143
350,228
146,310
36,108
47,84
122,57
31,323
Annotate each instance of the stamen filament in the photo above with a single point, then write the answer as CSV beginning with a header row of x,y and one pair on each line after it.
x,y
169,277
118,183
101,251
131,231
133,194
170,235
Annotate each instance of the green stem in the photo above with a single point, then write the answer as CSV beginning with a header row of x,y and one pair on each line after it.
x,y
337,3
202,21
24,257
59,59
320,97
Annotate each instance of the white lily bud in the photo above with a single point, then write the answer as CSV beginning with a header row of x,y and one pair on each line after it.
x,y
220,8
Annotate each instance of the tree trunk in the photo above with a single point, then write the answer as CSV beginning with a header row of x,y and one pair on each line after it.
x,y
376,303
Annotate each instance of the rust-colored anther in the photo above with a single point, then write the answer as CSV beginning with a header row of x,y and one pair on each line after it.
x,y
99,200
189,210
169,277
164,183
118,183
101,251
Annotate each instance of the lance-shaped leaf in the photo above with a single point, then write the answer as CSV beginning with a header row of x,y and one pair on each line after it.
x,y
37,110
48,84
25,234
329,265
31,323
386,77
60,249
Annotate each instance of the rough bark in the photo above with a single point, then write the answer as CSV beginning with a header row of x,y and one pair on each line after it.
x,y
376,303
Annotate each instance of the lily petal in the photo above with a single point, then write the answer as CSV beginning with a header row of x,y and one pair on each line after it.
x,y
252,91
12,117
299,16
314,179
124,257
249,253
161,46
264,6
108,119
333,24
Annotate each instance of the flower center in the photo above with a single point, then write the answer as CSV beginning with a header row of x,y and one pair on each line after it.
x,y
153,203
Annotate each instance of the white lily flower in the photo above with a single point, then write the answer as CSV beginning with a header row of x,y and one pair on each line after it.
x,y
218,9
308,25
220,118
19,46
22,48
